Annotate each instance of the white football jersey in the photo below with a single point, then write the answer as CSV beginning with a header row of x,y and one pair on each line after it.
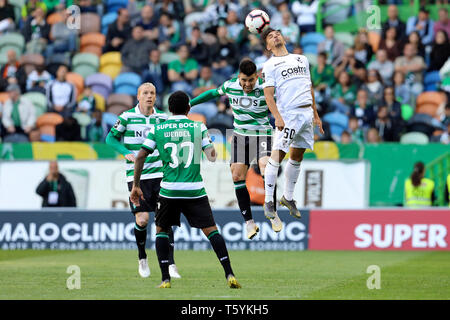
x,y
291,78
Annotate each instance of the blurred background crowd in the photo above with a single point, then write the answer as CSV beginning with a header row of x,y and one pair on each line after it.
x,y
66,74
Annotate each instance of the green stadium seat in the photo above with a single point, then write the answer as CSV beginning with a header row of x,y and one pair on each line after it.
x,y
85,64
168,57
14,41
312,58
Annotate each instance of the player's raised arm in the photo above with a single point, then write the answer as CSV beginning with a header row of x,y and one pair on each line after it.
x,y
207,145
269,93
205,96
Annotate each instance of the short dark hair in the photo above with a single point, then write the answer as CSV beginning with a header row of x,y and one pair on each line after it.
x,y
266,33
179,103
247,67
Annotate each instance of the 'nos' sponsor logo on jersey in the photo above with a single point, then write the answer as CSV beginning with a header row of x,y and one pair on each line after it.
x,y
292,72
244,102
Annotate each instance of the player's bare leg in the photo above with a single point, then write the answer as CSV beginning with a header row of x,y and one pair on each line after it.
x,y
239,174
220,248
270,180
292,172
140,232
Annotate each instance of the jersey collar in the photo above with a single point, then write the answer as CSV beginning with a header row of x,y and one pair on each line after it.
x,y
177,117
138,111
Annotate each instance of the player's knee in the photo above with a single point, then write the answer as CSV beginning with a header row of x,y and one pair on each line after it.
x,y
142,221
238,176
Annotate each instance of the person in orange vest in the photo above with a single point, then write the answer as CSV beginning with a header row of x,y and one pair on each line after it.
x,y
419,191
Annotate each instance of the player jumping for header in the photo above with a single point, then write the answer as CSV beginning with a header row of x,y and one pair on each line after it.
x,y
295,114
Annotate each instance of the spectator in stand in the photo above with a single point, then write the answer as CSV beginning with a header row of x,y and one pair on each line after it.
x,y
149,22
55,190
37,80
217,13
443,23
18,117
414,39
374,87
95,131
335,49
12,72
383,65
236,28
386,126
136,51
87,6
373,136
7,16
156,73
363,110
440,51
174,7
412,66
36,32
225,55
290,30
346,137
61,95
402,92
63,39
30,6
86,102
118,32
183,71
363,50
198,50
423,25
393,106
391,44
205,83
394,22
323,79
306,11
357,134
343,94
171,33
68,130
351,65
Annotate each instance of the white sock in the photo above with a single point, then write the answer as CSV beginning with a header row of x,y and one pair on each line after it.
x,y
291,172
270,179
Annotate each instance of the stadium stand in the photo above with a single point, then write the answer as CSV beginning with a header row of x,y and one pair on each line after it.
x,y
114,88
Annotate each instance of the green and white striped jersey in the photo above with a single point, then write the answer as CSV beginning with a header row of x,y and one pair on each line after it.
x,y
180,143
134,127
251,114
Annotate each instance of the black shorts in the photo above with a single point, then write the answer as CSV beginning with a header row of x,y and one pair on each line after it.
x,y
150,189
197,212
245,149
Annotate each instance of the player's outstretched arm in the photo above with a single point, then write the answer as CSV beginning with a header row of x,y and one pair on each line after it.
x,y
114,142
205,96
136,192
211,153
269,93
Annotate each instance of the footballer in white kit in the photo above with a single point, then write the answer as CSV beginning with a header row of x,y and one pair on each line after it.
x,y
287,78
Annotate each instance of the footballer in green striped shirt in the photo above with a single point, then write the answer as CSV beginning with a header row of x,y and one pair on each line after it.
x,y
252,135
133,126
180,143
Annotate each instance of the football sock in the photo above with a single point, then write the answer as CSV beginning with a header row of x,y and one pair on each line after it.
x,y
243,198
141,237
171,246
220,248
291,172
162,251
270,179
274,191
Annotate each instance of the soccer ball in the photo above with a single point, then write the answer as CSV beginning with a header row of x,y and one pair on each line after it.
x,y
257,21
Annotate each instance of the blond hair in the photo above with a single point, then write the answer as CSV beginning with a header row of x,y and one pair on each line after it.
x,y
145,84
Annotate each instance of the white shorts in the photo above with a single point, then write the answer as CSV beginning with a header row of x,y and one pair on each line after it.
x,y
298,131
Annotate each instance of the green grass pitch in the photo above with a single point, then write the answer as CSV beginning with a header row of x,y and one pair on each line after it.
x,y
264,275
